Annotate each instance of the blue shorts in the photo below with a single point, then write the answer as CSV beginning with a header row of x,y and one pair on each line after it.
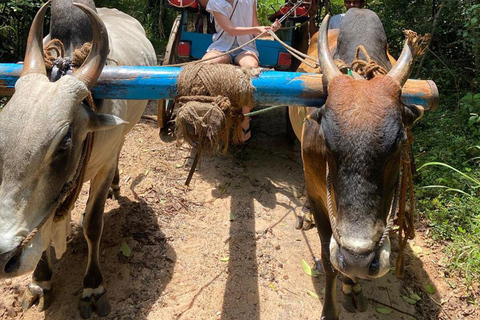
x,y
234,54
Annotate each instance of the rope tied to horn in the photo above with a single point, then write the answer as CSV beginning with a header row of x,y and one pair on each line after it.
x,y
210,99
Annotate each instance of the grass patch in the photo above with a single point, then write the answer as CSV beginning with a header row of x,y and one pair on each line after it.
x,y
453,211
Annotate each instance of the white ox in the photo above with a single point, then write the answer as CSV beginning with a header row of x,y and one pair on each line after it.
x,y
43,133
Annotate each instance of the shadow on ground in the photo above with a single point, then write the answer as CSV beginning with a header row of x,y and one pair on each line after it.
x,y
133,224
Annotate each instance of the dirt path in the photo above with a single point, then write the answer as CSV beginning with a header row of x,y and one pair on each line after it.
x,y
225,248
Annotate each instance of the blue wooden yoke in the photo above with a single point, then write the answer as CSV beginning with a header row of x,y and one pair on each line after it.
x,y
271,87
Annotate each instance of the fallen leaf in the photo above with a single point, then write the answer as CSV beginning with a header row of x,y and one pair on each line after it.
x,y
125,249
416,249
146,172
430,288
451,284
323,291
313,294
178,165
409,300
308,270
224,259
384,310
412,294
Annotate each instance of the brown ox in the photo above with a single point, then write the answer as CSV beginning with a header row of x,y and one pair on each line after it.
x,y
356,137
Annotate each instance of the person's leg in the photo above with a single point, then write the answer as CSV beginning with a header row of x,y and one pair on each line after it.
x,y
247,59
219,59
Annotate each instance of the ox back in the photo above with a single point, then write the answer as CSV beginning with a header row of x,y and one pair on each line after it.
x,y
362,27
71,25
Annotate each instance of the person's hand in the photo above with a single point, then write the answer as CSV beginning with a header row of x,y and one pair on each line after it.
x,y
276,25
262,29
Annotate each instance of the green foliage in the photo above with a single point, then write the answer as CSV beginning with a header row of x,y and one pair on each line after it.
x,y
454,59
471,104
15,19
266,8
453,217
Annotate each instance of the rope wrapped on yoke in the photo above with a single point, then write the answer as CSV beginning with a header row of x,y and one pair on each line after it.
x,y
210,99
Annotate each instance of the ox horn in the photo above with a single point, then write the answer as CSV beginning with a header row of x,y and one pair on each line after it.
x,y
33,62
328,66
414,46
91,69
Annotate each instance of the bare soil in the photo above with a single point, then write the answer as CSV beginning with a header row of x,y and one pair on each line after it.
x,y
226,247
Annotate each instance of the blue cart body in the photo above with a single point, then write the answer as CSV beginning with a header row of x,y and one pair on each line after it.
x,y
269,50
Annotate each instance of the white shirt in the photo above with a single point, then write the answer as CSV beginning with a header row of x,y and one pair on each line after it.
x,y
242,17
335,21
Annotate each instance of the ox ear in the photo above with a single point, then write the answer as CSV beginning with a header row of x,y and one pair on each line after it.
x,y
317,114
101,122
412,113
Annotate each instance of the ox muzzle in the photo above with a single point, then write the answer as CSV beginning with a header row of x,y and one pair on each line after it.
x,y
356,262
10,262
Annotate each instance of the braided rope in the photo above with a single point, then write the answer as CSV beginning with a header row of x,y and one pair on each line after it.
x,y
51,51
331,213
405,219
369,68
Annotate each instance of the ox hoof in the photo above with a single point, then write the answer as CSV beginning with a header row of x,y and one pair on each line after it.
x,y
305,222
308,221
95,302
35,293
354,301
114,193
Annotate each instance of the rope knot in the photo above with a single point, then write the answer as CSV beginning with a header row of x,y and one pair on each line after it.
x,y
58,64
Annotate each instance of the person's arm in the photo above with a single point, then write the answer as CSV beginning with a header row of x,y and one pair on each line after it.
x,y
275,26
233,31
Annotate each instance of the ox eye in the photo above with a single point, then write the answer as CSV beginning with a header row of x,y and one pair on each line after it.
x,y
66,142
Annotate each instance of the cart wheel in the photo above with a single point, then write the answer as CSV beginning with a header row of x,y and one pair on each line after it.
x,y
165,107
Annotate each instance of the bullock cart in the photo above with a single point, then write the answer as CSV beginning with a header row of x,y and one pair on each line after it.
x,y
141,83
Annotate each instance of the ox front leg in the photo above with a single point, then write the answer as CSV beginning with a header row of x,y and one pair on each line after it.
x,y
40,288
353,298
114,191
94,297
330,306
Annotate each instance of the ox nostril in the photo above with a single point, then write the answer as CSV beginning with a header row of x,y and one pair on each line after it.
x,y
14,263
374,266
